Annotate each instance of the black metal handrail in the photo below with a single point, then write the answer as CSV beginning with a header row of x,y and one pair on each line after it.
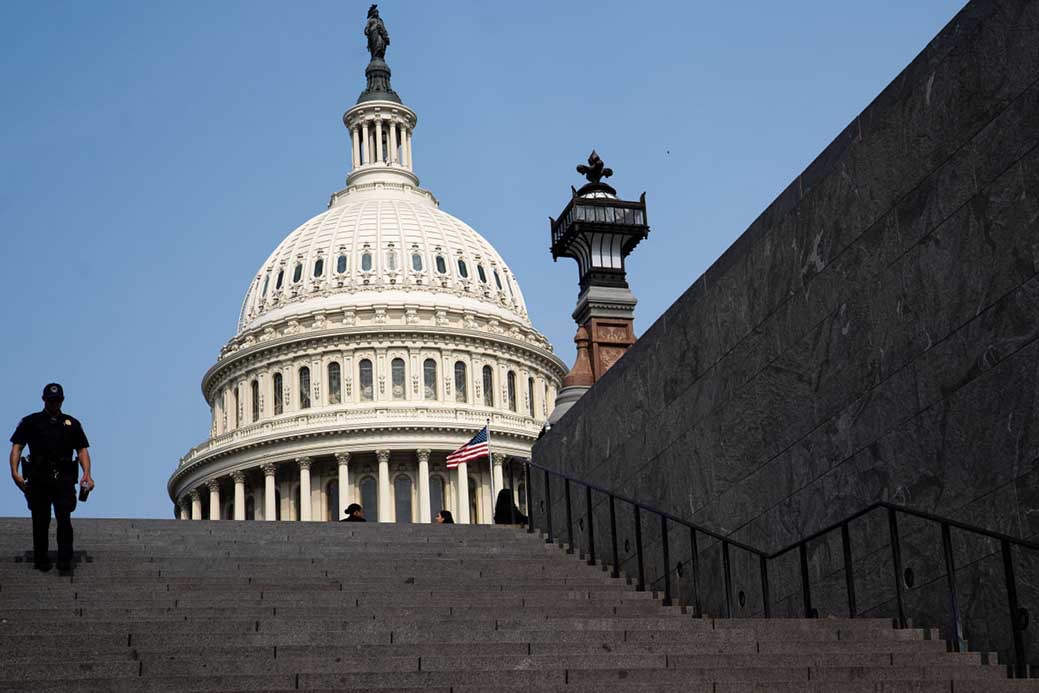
x,y
1018,615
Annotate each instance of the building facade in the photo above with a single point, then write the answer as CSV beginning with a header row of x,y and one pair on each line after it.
x,y
378,337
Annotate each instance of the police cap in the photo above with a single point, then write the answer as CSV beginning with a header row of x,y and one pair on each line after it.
x,y
53,391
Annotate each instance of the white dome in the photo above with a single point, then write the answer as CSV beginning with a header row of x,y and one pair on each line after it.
x,y
382,244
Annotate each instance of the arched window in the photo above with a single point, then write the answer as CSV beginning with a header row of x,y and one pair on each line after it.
x,y
511,382
436,496
234,403
228,512
530,396
461,387
364,369
416,262
474,505
254,390
369,499
497,280
332,504
297,273
397,378
429,378
304,388
488,386
266,281
366,262
441,264
280,280
279,395
341,264
480,273
250,508
335,383
463,271
402,499
391,260
522,494
319,267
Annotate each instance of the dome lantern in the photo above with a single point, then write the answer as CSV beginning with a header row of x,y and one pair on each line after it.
x,y
380,124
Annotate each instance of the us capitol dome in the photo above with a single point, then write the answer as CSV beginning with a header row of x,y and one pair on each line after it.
x,y
379,336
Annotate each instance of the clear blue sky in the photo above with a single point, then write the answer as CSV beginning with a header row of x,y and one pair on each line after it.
x,y
152,154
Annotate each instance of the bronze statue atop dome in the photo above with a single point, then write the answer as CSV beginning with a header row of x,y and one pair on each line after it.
x,y
377,72
378,37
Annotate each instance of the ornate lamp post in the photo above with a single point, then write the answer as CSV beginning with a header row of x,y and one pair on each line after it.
x,y
599,230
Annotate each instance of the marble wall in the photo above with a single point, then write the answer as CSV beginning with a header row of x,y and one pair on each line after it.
x,y
872,335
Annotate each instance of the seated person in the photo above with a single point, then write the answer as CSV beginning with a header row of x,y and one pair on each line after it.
x,y
444,518
354,513
506,512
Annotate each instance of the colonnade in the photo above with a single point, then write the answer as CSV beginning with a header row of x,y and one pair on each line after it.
x,y
381,140
191,503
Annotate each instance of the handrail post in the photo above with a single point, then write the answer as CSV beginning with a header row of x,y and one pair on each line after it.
x,y
849,577
569,516
530,499
694,568
638,549
591,525
806,588
1020,668
958,643
613,538
763,562
727,569
667,560
896,562
548,508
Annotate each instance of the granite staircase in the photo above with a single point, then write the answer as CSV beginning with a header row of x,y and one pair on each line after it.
x,y
159,605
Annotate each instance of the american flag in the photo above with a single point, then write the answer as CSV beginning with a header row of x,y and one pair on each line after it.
x,y
473,450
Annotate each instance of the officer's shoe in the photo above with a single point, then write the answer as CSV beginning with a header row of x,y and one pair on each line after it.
x,y
65,567
43,567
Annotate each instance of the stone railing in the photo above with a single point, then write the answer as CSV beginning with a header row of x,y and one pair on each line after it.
x,y
303,421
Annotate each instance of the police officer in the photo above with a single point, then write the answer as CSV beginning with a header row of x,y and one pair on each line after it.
x,y
50,476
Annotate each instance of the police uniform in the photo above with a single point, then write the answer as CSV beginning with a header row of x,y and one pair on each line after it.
x,y
51,478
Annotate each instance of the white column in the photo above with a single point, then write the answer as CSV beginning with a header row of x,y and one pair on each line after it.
x,y
196,505
497,478
304,488
270,497
423,486
343,459
355,141
384,484
185,508
463,494
239,495
367,140
214,499
393,143
378,141
407,146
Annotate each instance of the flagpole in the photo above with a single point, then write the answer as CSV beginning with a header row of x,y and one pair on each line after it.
x,y
490,468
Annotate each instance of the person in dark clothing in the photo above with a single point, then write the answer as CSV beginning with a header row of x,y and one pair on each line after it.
x,y
49,477
354,513
444,517
505,511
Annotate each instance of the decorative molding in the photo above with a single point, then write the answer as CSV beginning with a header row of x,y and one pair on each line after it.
x,y
342,459
423,455
238,476
383,456
304,463
269,469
